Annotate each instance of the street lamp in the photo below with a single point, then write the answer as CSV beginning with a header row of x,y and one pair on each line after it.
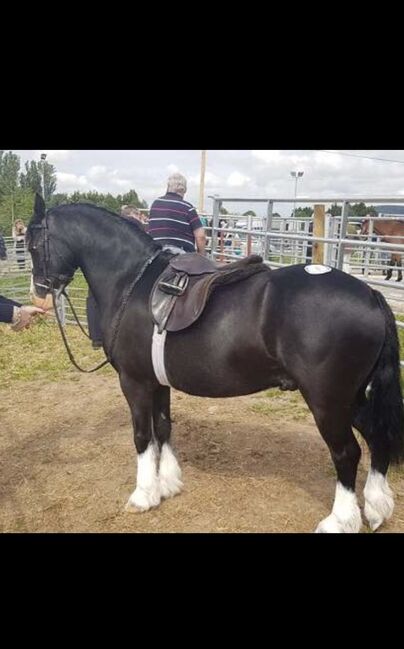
x,y
43,158
296,175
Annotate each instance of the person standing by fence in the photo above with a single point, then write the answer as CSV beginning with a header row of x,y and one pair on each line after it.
x,y
18,233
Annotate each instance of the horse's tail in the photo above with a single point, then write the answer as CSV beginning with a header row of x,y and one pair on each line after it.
x,y
385,397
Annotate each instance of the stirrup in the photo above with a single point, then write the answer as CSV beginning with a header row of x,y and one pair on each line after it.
x,y
175,289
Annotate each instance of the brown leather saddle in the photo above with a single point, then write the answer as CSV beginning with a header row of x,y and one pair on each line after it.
x,y
180,294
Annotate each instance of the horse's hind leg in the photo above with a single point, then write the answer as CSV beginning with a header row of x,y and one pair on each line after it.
x,y
335,427
390,270
140,399
379,501
400,274
169,469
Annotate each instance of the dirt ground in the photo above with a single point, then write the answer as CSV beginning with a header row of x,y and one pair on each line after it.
x,y
250,464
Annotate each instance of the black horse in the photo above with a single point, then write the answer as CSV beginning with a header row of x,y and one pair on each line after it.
x,y
327,334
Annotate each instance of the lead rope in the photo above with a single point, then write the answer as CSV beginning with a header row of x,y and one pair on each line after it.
x,y
67,344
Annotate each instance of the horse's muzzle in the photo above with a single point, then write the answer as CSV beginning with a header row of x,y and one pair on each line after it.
x,y
43,301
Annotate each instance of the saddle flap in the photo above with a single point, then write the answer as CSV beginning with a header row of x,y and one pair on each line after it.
x,y
193,263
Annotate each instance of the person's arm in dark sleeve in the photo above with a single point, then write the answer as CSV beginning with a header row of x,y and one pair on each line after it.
x,y
7,309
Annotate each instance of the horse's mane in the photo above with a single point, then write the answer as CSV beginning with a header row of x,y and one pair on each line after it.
x,y
132,223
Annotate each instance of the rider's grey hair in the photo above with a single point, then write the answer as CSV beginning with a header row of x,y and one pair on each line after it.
x,y
177,183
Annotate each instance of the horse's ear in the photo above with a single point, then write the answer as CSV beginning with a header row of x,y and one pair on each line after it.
x,y
39,208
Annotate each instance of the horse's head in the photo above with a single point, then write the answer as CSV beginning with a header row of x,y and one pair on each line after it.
x,y
52,264
363,228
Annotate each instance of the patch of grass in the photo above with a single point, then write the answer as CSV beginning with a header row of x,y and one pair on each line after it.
x,y
274,402
39,353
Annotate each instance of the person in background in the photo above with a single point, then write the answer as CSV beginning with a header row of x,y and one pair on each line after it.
x,y
3,249
174,222
18,233
133,212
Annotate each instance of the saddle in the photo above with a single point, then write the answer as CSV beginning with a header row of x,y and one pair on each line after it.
x,y
181,292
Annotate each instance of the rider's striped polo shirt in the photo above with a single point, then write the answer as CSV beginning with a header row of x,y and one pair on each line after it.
x,y
172,221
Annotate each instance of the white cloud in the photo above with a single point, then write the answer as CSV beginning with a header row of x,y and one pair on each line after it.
x,y
237,179
122,183
267,156
96,171
211,180
328,159
67,182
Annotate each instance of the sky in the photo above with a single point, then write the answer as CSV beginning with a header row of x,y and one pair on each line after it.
x,y
230,173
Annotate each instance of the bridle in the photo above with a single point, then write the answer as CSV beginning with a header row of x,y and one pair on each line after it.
x,y
64,280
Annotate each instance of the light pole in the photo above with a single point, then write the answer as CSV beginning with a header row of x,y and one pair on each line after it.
x,y
43,158
296,175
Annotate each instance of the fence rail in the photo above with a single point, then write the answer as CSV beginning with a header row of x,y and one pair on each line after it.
x,y
281,241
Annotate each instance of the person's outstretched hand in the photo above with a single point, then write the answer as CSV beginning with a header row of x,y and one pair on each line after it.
x,y
23,316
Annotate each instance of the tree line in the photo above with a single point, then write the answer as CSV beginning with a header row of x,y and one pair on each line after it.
x,y
19,185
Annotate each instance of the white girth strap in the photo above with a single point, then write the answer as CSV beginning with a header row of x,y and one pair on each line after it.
x,y
158,343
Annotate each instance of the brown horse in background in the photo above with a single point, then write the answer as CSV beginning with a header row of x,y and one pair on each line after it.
x,y
389,231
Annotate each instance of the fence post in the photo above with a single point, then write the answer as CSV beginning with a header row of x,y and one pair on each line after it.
x,y
318,231
342,234
327,233
267,229
217,203
249,238
61,307
368,251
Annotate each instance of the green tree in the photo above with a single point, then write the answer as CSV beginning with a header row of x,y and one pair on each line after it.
x,y
335,210
58,199
19,205
36,175
131,198
48,173
304,212
249,213
9,169
31,179
9,186
361,209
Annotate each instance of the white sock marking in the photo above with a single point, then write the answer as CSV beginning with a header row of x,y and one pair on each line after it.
x,y
345,515
170,473
147,492
379,501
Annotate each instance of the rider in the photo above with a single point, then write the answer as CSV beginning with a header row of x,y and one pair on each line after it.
x,y
174,222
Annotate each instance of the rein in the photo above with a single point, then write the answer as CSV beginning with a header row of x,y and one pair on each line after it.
x,y
62,332
116,323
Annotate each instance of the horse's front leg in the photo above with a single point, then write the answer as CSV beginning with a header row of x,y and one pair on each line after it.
x,y
140,399
169,470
